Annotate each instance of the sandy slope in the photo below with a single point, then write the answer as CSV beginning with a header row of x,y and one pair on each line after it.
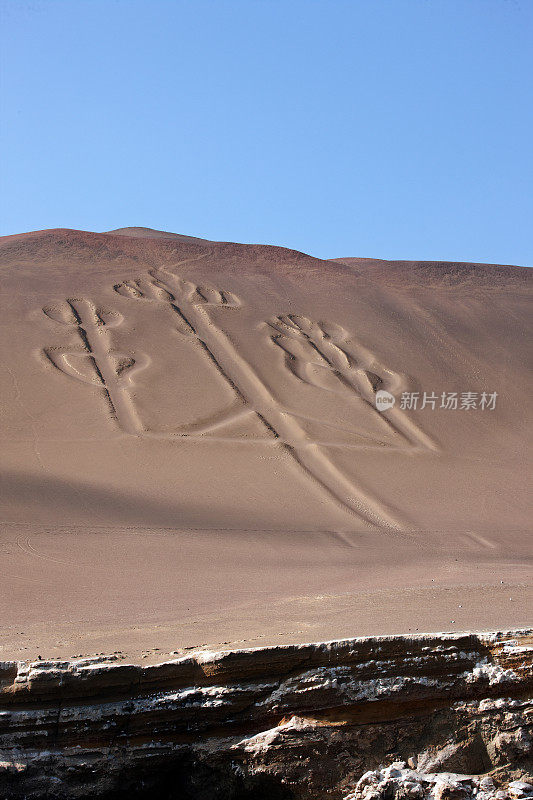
x,y
185,463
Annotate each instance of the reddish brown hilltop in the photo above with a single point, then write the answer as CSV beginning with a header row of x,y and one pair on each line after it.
x,y
440,273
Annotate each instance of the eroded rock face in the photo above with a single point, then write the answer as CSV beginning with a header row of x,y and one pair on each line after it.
x,y
398,782
303,722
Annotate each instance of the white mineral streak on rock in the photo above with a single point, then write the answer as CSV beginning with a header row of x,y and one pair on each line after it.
x,y
340,681
261,742
494,673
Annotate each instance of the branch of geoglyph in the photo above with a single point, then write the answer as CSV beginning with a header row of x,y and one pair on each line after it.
x,y
97,364
353,364
165,287
327,347
189,301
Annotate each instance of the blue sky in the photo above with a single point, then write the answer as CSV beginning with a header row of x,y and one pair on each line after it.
x,y
378,128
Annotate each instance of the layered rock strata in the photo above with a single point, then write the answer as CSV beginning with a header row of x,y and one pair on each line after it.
x,y
306,722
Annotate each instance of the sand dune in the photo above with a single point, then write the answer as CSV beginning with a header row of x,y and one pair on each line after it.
x,y
192,453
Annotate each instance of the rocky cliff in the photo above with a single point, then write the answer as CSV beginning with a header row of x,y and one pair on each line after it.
x,y
443,716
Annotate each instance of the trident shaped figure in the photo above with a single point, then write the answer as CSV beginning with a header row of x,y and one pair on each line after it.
x,y
96,363
318,353
191,304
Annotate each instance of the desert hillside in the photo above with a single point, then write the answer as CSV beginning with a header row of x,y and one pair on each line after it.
x,y
192,453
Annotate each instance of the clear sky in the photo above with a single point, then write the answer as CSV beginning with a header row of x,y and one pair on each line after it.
x,y
379,128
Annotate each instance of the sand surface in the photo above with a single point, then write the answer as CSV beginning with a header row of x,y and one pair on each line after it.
x,y
192,456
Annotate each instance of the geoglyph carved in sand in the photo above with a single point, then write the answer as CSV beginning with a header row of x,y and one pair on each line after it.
x,y
317,353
